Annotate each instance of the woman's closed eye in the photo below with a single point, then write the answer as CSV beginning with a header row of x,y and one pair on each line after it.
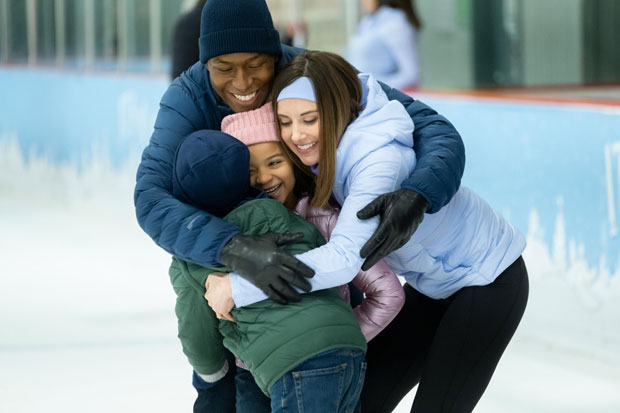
x,y
310,121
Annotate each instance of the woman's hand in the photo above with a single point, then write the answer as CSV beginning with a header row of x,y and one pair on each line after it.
x,y
219,295
258,259
400,212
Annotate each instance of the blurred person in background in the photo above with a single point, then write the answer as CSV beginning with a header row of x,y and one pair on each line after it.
x,y
296,34
240,53
185,40
385,43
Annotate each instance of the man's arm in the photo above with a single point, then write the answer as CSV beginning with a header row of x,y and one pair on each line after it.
x,y
193,234
439,150
180,229
434,181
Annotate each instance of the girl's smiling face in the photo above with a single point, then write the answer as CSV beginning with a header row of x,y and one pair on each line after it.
x,y
300,128
272,171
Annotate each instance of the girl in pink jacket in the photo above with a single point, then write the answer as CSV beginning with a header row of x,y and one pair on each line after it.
x,y
273,172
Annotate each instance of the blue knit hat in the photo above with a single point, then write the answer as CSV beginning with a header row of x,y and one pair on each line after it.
x,y
211,171
237,26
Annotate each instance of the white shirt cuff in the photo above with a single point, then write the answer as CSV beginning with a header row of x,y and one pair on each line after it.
x,y
244,292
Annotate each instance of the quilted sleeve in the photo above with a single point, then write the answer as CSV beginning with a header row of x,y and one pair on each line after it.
x,y
439,149
180,229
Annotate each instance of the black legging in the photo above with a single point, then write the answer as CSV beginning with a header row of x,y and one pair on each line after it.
x,y
449,347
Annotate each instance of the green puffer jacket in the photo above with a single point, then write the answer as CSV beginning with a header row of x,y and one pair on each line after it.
x,y
269,338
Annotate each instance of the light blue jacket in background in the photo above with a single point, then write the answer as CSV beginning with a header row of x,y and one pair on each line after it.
x,y
465,243
385,45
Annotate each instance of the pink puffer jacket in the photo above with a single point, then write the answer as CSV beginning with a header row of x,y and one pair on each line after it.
x,y
384,295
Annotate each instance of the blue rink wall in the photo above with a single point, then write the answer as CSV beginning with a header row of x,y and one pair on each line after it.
x,y
552,169
71,118
548,158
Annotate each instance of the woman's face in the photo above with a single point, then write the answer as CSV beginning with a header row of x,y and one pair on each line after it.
x,y
300,128
272,171
369,6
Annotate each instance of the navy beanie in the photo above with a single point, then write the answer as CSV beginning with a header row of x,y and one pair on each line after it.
x,y
237,26
211,171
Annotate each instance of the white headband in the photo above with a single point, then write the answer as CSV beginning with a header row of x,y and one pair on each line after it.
x,y
301,88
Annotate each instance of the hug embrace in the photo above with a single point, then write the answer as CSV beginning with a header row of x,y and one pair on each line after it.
x,y
290,190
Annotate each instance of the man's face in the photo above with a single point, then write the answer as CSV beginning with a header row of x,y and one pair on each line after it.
x,y
242,80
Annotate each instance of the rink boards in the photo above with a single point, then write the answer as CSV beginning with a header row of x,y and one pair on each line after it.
x,y
552,169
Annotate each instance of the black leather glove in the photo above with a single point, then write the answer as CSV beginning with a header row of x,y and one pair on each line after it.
x,y
401,212
258,259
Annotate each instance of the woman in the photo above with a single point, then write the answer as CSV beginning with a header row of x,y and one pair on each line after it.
x,y
466,285
385,43
466,281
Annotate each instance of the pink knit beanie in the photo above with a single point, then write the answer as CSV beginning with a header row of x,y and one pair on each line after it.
x,y
251,127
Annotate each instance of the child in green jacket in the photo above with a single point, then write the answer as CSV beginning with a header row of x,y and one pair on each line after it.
x,y
314,345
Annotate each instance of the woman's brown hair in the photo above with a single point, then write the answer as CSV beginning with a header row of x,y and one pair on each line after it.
x,y
338,95
408,6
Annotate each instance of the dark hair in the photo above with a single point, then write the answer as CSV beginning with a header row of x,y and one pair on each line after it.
x,y
304,183
407,6
338,94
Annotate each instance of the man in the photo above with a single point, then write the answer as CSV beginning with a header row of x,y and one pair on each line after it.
x,y
240,53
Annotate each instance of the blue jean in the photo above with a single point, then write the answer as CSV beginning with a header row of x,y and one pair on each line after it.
x,y
328,382
250,398
235,392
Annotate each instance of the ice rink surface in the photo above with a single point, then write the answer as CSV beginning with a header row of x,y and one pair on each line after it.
x,y
87,319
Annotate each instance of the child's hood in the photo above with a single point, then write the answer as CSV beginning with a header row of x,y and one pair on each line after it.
x,y
211,171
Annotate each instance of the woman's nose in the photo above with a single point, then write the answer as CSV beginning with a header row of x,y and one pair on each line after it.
x,y
296,133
